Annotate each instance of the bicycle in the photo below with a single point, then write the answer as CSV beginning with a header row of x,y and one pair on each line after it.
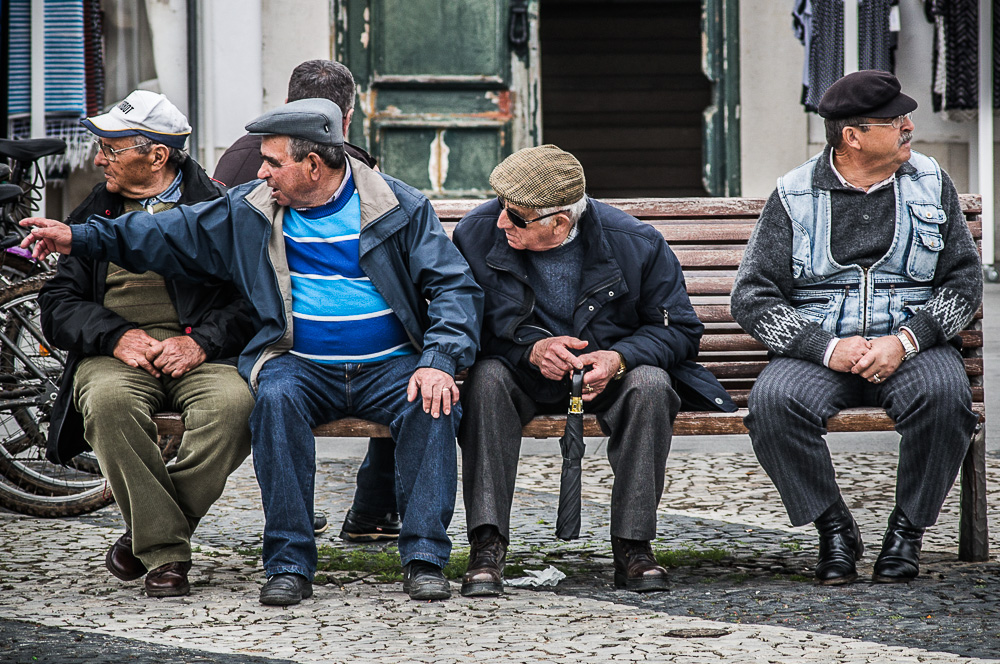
x,y
23,183
30,370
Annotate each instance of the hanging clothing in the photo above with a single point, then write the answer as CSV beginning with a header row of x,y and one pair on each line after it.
x,y
819,25
955,61
65,77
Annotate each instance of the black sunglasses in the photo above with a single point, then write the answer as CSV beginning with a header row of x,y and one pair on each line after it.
x,y
520,221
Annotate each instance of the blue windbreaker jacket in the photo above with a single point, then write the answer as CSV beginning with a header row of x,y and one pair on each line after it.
x,y
404,251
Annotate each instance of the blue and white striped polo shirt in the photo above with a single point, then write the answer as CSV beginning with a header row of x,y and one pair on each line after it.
x,y
338,314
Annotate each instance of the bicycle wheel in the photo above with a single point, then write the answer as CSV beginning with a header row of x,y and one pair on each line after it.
x,y
29,374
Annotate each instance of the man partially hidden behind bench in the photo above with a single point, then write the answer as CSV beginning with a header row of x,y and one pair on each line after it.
x,y
570,281
361,305
138,344
859,275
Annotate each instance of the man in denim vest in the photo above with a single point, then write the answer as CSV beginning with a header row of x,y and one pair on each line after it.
x,y
859,275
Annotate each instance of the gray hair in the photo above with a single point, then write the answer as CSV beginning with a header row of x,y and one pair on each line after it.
x,y
175,156
574,211
332,155
835,129
323,79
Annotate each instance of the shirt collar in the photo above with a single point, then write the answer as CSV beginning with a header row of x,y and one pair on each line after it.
x,y
171,194
878,185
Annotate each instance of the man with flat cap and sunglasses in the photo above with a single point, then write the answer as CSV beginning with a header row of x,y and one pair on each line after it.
x,y
570,282
859,275
361,306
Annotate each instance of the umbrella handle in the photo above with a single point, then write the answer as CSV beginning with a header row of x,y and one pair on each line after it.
x,y
576,390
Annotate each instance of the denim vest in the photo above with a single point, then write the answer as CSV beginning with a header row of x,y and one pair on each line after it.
x,y
848,300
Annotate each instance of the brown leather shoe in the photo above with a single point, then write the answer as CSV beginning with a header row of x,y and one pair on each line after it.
x,y
170,580
120,560
635,566
484,575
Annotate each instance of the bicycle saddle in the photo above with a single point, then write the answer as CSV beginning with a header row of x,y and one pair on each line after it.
x,y
9,193
30,149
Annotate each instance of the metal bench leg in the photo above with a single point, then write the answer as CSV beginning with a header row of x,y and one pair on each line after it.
x,y
973,533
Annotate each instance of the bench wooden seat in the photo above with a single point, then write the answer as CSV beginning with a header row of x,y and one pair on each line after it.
x,y
709,236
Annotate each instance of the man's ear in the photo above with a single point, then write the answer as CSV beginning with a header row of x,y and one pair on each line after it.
x,y
851,136
347,121
159,156
315,166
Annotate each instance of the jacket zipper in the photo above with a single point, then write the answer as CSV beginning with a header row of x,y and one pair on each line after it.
x,y
864,302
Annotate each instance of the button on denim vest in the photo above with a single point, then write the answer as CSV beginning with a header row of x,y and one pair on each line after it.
x,y
847,300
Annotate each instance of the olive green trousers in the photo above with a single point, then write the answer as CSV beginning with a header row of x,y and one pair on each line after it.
x,y
162,504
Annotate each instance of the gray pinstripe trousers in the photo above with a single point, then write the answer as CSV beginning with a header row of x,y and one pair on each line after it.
x,y
637,414
928,397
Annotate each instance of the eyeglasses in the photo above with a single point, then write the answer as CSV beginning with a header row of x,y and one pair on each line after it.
x,y
896,123
112,155
520,221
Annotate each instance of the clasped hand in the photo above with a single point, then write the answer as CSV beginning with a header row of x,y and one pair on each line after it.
x,y
555,360
174,356
874,360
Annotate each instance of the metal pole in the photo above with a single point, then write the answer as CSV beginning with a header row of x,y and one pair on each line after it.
x,y
38,79
194,99
985,133
851,46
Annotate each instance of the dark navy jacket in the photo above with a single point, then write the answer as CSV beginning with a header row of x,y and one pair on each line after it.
x,y
632,300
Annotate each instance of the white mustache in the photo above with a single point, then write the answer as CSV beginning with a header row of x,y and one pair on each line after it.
x,y
906,137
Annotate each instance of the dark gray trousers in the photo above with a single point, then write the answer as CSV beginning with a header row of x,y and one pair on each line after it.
x,y
928,397
636,413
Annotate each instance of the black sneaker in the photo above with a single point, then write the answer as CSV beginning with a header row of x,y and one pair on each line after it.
x,y
423,581
360,527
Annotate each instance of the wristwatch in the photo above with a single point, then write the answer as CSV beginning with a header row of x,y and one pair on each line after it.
x,y
621,367
909,350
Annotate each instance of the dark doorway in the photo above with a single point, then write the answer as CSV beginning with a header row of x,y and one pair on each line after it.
x,y
623,90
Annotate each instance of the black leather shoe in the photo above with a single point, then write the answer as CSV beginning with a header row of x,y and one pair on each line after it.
x,y
422,580
840,546
285,590
636,568
361,527
320,524
170,580
484,575
120,560
899,561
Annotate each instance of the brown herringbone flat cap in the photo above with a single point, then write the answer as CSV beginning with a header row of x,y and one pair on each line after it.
x,y
539,177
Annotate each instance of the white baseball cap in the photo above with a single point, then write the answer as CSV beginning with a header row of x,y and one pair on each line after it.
x,y
143,113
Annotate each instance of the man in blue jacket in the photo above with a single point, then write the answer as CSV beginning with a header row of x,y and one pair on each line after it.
x,y
571,282
361,306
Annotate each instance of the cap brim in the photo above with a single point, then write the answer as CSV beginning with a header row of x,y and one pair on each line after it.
x,y
900,105
106,126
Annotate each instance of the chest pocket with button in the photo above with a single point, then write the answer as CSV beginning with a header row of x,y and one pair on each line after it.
x,y
927,241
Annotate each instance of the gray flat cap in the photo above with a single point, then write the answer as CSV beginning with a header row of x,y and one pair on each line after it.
x,y
316,120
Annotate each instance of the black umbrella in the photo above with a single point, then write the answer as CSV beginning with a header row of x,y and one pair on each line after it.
x,y
572,447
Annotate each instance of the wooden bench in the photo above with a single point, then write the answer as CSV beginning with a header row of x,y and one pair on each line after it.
x,y
709,236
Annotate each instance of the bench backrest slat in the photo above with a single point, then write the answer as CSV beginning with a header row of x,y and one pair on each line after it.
x,y
709,236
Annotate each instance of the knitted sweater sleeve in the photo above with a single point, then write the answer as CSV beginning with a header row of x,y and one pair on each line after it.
x,y
958,279
761,301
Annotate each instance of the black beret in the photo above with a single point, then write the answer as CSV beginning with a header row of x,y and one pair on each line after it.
x,y
866,94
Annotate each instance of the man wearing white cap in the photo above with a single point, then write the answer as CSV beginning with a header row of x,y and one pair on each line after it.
x,y
138,343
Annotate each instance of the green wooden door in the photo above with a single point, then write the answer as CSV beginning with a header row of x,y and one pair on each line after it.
x,y
443,87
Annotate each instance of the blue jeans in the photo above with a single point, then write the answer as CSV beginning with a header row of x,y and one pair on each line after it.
x,y
295,395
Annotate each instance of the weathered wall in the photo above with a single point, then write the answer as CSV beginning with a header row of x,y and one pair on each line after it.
x,y
774,128
293,31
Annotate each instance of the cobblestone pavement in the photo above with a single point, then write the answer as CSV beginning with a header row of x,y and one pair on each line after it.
x,y
741,588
